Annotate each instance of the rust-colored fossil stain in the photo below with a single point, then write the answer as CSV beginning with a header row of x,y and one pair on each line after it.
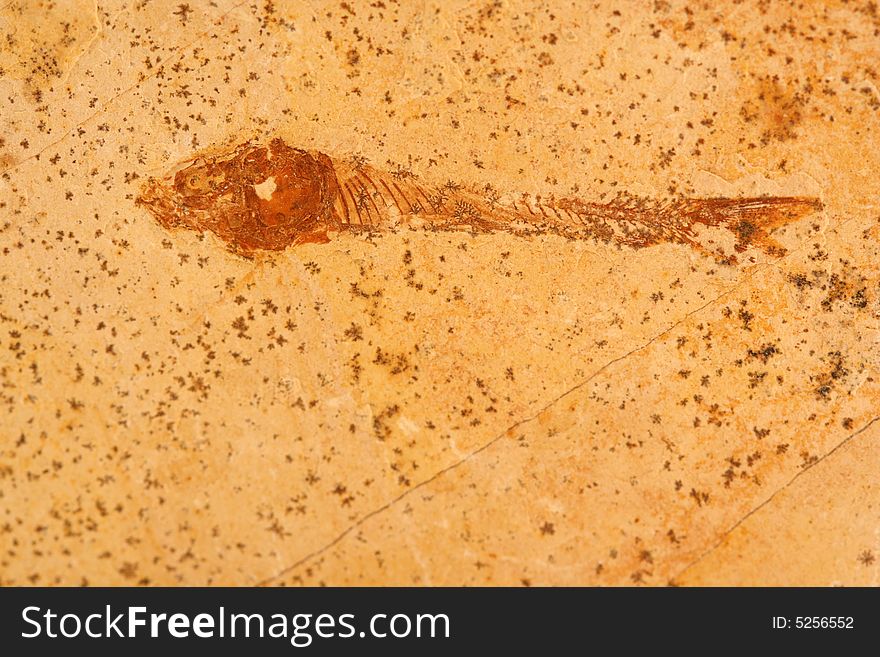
x,y
777,109
269,197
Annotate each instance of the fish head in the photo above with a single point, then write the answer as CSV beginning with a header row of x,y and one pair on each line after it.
x,y
255,197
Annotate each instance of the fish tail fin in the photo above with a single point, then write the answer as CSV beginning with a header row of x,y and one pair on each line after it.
x,y
751,220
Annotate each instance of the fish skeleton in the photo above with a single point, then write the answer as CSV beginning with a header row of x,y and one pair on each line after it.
x,y
268,197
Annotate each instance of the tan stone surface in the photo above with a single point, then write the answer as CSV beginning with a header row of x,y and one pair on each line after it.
x,y
440,408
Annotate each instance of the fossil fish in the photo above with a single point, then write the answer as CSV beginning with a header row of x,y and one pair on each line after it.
x,y
268,197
